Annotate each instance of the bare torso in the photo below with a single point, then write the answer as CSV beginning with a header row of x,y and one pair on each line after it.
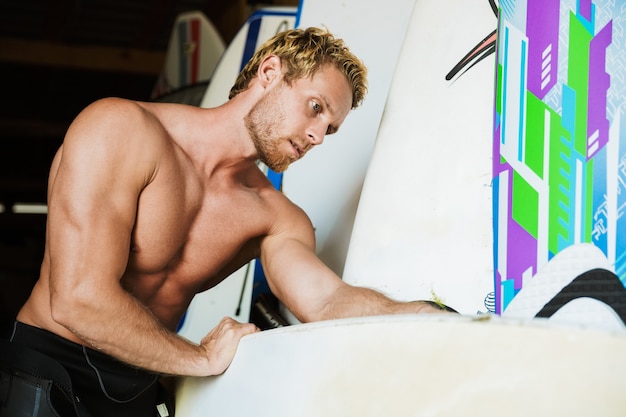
x,y
194,225
151,203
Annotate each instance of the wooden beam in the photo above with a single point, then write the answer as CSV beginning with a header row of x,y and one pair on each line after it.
x,y
96,58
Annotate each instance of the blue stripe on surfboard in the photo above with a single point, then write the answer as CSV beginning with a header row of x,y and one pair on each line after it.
x,y
522,108
251,40
494,221
299,13
276,13
505,69
254,26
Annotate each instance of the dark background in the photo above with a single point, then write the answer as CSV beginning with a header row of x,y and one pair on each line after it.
x,y
50,70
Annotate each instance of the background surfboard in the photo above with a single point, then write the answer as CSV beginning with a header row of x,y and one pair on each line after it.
x,y
260,26
193,51
559,159
423,224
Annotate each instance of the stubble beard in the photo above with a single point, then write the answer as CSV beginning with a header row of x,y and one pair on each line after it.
x,y
261,123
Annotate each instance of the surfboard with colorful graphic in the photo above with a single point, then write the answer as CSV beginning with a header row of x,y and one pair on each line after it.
x,y
559,160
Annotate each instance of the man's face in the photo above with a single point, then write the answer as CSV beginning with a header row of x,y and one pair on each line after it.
x,y
290,119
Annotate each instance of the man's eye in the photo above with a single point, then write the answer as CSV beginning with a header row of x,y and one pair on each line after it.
x,y
316,107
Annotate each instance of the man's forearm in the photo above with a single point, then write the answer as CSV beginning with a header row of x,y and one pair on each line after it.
x,y
352,301
126,330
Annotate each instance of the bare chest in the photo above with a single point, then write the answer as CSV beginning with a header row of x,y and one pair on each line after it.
x,y
195,239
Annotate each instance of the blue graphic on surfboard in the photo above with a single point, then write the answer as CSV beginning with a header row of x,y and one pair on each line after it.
x,y
560,161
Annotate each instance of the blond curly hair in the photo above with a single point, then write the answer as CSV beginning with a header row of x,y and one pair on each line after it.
x,y
302,53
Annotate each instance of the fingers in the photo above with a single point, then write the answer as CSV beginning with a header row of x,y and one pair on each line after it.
x,y
221,343
239,330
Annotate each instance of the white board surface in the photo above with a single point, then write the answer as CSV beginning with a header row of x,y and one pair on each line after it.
x,y
408,366
327,183
423,224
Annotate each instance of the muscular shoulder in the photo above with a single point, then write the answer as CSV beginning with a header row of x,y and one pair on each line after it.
x,y
289,220
114,119
116,133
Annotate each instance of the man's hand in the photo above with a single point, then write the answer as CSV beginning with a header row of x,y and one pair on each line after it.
x,y
220,344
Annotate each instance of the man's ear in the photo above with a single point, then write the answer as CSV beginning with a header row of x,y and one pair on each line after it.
x,y
270,69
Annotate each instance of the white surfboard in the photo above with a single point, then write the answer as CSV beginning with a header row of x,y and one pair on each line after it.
x,y
194,49
260,26
327,183
233,296
408,366
423,226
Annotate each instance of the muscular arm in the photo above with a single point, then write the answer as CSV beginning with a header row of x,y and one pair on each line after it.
x,y
110,154
310,289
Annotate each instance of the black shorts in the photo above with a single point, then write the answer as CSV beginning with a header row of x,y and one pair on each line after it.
x,y
104,385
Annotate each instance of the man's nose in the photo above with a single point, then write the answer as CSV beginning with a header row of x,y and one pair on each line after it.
x,y
317,133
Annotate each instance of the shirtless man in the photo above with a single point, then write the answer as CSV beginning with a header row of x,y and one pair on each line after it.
x,y
151,203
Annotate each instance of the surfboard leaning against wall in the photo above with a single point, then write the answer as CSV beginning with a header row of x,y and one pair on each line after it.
x,y
560,161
